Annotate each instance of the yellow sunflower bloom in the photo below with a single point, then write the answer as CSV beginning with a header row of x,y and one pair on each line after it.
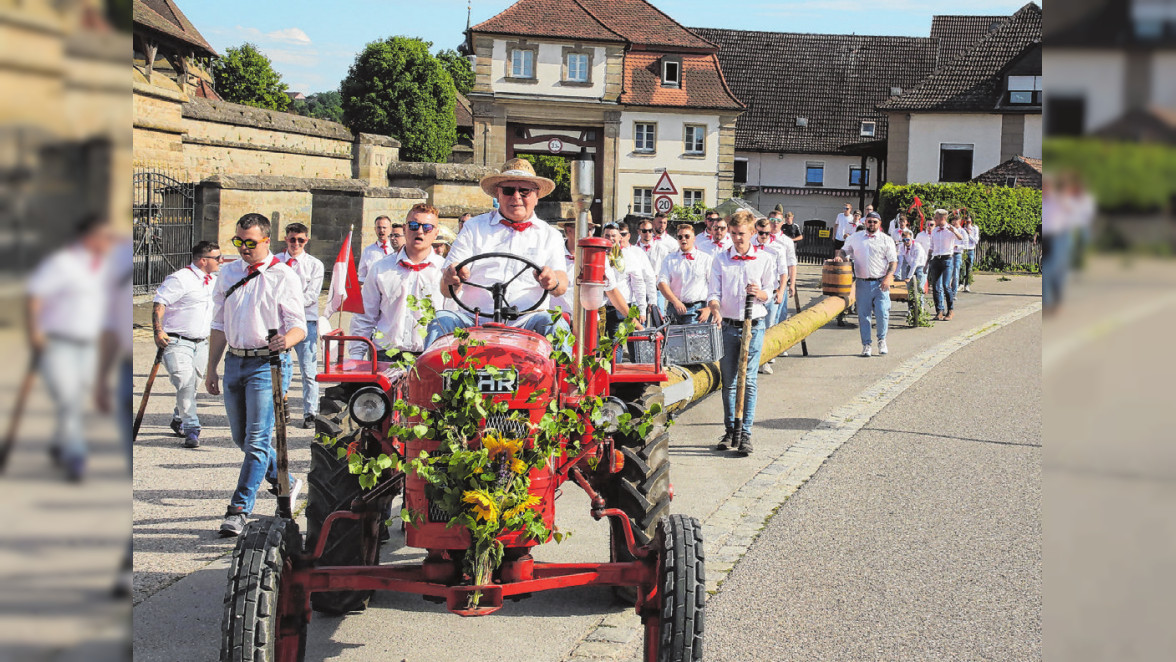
x,y
484,506
518,466
529,502
496,444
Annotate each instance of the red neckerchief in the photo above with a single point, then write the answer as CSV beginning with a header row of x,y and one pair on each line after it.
x,y
207,277
291,262
736,256
257,267
415,267
688,256
646,247
383,246
517,226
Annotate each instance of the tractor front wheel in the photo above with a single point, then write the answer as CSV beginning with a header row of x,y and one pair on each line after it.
x,y
682,588
255,627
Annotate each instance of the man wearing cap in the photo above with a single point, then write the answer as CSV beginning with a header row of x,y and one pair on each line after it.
x,y
253,295
875,258
511,228
310,271
380,249
181,317
413,271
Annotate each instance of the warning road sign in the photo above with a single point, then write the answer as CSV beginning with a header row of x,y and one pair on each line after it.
x,y
665,186
663,204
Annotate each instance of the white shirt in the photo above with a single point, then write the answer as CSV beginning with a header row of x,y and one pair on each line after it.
x,y
785,252
943,241
635,257
310,270
371,255
667,240
119,312
187,295
871,254
630,282
971,236
272,300
540,243
924,239
912,256
656,251
564,301
387,318
729,279
689,280
708,246
71,286
843,226
896,232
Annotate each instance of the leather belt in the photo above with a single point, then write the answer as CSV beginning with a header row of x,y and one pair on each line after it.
x,y
731,322
694,303
191,340
248,353
940,257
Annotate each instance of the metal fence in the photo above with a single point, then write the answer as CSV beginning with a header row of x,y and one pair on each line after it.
x,y
817,245
164,213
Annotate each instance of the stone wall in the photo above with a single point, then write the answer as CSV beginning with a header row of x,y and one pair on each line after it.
x,y
450,187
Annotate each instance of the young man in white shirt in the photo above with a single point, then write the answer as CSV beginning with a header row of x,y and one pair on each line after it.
x,y
941,241
181,316
736,274
661,235
253,295
684,280
843,226
912,260
635,258
630,281
899,224
874,259
66,306
717,241
414,271
378,250
512,228
310,271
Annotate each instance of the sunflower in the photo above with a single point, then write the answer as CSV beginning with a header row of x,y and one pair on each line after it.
x,y
529,502
495,443
483,506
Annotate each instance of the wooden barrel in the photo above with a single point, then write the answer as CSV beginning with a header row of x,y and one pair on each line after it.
x,y
837,279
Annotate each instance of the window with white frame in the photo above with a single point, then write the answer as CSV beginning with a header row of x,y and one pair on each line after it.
x,y
644,137
522,63
643,201
695,139
577,64
814,173
868,128
671,71
1025,90
692,196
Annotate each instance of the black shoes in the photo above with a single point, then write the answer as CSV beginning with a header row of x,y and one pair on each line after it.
x,y
308,422
745,445
177,427
727,440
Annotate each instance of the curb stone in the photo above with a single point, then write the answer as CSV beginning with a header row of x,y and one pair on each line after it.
x,y
731,529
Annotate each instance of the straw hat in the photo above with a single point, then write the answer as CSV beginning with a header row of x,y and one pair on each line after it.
x,y
516,170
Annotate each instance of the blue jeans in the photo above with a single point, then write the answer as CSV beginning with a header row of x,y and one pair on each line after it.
x,y
780,309
249,406
939,271
729,368
1055,267
447,321
691,315
770,318
957,261
307,352
871,298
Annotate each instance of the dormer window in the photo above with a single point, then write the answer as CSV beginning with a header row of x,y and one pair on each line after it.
x,y
1153,18
895,91
1024,90
802,122
868,128
671,67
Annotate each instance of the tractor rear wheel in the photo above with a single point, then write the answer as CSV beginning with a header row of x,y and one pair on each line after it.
x,y
333,487
682,585
253,619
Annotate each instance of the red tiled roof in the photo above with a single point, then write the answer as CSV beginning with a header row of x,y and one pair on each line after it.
x,y
635,21
1026,171
703,85
165,17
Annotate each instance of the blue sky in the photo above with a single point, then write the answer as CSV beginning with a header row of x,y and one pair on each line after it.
x,y
312,44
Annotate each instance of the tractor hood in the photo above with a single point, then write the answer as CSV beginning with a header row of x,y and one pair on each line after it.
x,y
522,357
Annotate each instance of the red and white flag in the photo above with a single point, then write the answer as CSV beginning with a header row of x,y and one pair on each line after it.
x,y
344,294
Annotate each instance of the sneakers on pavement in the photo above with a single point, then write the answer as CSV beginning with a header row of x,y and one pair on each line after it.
x,y
782,354
233,524
882,349
308,422
192,439
177,427
967,288
765,369
295,489
865,351
728,437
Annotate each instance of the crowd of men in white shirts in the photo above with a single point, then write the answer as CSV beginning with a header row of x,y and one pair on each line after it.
x,y
667,272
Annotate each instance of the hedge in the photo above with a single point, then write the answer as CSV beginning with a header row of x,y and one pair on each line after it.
x,y
1122,176
999,211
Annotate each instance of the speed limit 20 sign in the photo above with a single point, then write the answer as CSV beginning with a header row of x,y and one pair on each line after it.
x,y
663,204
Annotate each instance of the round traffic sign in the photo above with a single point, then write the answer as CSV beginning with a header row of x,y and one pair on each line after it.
x,y
663,204
555,145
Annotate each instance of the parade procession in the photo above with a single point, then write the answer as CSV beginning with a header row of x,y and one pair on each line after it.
x,y
594,337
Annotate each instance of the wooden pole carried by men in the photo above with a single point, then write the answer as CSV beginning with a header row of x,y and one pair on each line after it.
x,y
741,383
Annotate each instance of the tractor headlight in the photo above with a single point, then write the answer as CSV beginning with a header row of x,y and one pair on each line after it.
x,y
368,406
609,415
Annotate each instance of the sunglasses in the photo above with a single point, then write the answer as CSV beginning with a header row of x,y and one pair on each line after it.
x,y
249,244
218,258
417,226
509,191
646,230
764,234
295,240
684,236
624,233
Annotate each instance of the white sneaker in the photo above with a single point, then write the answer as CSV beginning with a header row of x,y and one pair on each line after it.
x,y
882,349
783,353
765,369
866,351
967,288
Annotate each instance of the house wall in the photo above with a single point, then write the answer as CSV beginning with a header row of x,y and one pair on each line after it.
x,y
769,170
548,71
636,169
930,130
1033,132
1098,77
1164,79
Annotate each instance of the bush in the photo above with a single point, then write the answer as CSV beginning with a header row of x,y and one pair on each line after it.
x,y
998,211
1123,176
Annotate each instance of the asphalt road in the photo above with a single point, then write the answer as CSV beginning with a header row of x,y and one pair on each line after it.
x,y
919,540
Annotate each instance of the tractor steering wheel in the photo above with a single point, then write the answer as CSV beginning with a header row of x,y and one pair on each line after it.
x,y
497,290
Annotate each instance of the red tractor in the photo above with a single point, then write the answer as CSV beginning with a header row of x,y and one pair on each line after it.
x,y
656,559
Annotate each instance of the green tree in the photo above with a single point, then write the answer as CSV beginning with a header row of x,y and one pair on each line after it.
x,y
555,168
459,69
322,105
396,87
244,75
